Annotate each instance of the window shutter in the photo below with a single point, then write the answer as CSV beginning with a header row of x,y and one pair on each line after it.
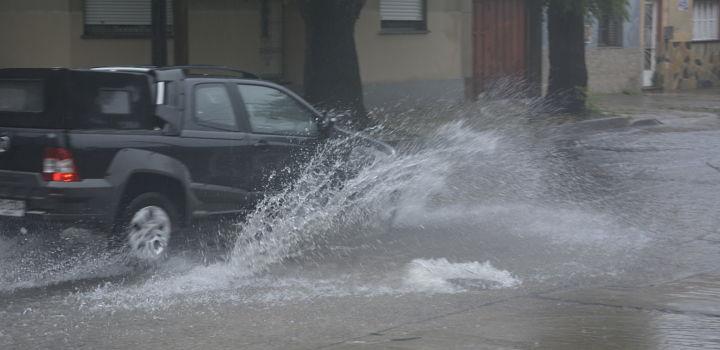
x,y
401,10
122,13
706,16
611,31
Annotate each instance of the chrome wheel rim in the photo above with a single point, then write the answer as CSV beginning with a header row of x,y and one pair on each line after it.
x,y
149,234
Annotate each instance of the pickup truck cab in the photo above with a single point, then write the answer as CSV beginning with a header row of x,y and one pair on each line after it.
x,y
141,152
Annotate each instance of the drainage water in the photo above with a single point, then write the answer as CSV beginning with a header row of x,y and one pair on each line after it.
x,y
478,203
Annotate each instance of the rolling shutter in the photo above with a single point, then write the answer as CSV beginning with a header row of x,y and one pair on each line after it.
x,y
121,13
611,31
401,10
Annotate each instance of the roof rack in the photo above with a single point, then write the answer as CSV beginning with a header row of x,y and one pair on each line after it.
x,y
124,69
184,68
245,74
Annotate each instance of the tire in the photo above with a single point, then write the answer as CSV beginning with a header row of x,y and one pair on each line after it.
x,y
145,228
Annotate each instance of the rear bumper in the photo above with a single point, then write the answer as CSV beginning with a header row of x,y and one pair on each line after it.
x,y
83,203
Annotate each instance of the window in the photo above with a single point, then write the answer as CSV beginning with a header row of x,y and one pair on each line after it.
x,y
705,20
213,107
110,101
114,101
21,96
403,15
271,111
121,19
610,31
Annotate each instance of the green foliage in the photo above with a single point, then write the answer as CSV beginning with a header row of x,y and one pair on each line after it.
x,y
595,8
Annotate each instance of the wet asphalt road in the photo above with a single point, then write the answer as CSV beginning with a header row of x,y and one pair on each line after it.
x,y
624,255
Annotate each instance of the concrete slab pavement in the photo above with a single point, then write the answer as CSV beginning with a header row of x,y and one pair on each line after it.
x,y
674,315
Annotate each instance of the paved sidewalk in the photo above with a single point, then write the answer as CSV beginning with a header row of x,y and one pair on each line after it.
x,y
697,109
680,314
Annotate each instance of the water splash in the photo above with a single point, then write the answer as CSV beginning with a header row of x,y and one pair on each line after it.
x,y
305,214
484,185
442,276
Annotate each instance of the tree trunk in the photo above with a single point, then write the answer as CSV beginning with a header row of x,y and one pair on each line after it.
x,y
332,72
181,52
159,33
568,79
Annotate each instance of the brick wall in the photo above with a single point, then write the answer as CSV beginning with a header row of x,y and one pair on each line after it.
x,y
610,70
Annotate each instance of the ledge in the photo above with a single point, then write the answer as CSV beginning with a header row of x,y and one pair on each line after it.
x,y
403,31
710,41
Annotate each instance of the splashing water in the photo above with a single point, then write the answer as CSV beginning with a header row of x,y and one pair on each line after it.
x,y
480,189
314,208
437,275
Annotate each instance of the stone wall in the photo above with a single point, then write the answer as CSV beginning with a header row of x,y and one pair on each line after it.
x,y
683,63
689,65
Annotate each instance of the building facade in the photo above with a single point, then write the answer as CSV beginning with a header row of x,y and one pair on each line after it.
x,y
663,44
410,51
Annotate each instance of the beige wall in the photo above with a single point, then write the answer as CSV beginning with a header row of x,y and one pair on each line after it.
x,y
89,52
437,54
444,52
41,33
394,66
228,32
34,33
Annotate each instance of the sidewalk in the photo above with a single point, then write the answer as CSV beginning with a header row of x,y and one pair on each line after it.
x,y
667,111
696,109
680,314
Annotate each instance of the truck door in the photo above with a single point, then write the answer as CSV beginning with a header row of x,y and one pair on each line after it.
x,y
217,152
284,135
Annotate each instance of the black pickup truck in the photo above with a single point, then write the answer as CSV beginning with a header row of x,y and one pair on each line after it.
x,y
142,152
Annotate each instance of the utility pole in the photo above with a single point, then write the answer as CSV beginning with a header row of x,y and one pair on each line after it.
x,y
159,33
180,30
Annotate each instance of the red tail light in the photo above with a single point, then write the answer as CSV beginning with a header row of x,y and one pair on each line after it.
x,y
59,166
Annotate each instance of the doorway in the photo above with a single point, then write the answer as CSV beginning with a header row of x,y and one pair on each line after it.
x,y
500,41
650,35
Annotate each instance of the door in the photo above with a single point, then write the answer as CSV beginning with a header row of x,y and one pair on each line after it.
x,y
284,133
500,41
217,152
650,30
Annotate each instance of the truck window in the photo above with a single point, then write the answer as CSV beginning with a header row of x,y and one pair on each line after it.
x,y
271,111
111,101
213,107
21,96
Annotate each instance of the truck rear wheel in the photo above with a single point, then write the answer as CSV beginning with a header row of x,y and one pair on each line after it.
x,y
146,227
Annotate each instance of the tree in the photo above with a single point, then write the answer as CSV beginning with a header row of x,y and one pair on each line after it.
x,y
568,80
332,71
158,33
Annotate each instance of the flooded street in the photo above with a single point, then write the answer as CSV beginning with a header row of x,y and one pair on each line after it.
x,y
482,234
